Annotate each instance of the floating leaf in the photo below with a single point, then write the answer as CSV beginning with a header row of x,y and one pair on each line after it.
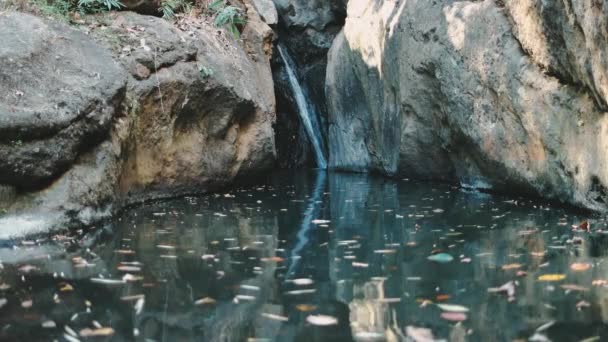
x,y
441,258
103,331
275,317
302,281
271,259
49,324
580,266
511,266
583,304
442,297
552,277
305,307
573,287
453,308
320,221
27,268
299,292
65,287
454,316
205,301
128,268
508,288
322,320
107,281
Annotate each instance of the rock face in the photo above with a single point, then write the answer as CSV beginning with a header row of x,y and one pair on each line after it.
x,y
127,109
502,95
59,92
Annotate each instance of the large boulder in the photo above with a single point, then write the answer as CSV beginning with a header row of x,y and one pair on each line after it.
x,y
59,92
194,111
504,98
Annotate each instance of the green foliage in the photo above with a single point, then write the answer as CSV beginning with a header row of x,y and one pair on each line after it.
x,y
61,9
205,71
54,8
227,16
98,6
169,7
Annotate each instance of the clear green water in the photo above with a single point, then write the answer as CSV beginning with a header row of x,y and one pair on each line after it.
x,y
254,263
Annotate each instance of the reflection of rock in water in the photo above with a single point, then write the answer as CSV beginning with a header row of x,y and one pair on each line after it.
x,y
371,314
572,331
598,244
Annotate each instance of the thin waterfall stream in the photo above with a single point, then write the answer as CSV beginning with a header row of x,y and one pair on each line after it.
x,y
307,113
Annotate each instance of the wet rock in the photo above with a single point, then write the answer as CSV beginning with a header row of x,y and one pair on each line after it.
x,y
504,98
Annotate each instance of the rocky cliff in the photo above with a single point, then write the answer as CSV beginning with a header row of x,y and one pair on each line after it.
x,y
123,108
504,95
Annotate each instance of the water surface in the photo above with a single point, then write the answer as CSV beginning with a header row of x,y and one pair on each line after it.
x,y
313,256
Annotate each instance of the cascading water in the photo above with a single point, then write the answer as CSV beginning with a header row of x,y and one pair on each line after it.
x,y
307,113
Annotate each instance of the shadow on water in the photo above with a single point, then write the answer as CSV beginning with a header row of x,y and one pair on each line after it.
x,y
314,256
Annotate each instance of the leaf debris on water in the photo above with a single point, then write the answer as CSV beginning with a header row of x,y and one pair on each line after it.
x,y
322,320
103,331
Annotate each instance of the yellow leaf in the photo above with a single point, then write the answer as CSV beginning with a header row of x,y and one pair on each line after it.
x,y
552,277
511,266
305,307
65,287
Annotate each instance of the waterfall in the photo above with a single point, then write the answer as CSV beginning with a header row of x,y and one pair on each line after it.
x,y
307,113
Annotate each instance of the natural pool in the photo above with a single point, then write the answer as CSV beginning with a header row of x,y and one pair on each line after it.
x,y
312,256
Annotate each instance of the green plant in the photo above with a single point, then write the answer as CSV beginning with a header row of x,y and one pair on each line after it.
x,y
227,16
97,6
54,8
205,71
169,7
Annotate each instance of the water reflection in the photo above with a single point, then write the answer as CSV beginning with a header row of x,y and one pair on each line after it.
x,y
313,257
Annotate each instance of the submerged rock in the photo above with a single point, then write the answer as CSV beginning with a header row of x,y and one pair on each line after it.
x,y
506,97
127,110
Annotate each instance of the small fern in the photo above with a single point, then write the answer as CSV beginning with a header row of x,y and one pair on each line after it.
x,y
169,7
205,71
96,6
227,16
